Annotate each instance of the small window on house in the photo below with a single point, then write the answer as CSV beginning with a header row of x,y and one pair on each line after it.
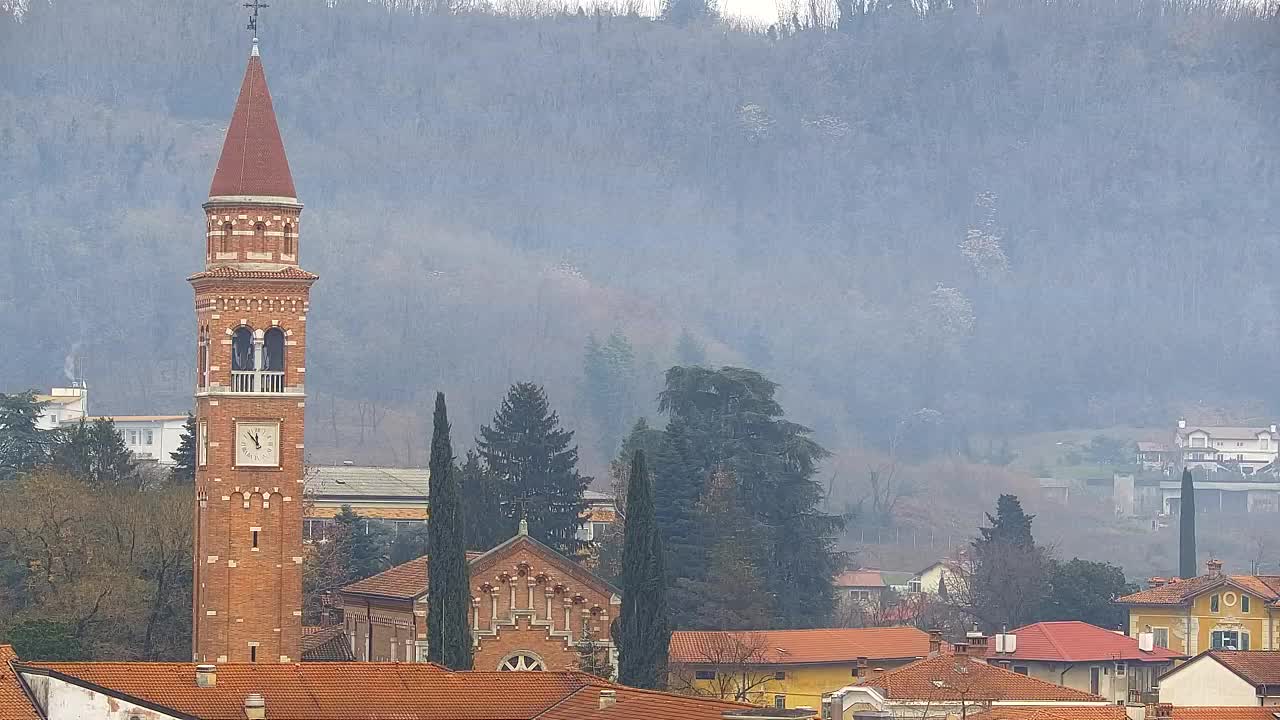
x,y
253,653
1214,603
779,702
780,675
1244,603
133,437
255,539
1021,669
1121,669
1161,637
853,672
704,674
148,437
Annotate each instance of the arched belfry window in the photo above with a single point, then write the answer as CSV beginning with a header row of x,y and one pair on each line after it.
x,y
273,350
243,363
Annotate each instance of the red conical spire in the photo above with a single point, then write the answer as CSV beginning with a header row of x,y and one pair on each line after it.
x,y
253,162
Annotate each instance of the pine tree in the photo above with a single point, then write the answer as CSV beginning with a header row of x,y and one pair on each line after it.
x,y
1009,580
95,453
23,445
642,632
535,467
184,458
364,545
484,522
448,581
1187,527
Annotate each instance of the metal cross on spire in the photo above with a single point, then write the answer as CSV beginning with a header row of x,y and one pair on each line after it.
x,y
255,6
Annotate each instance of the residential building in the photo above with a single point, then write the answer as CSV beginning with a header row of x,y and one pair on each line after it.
x,y
788,668
63,405
320,691
1225,678
1242,450
1154,456
1210,611
962,685
152,438
946,571
864,586
531,609
1086,657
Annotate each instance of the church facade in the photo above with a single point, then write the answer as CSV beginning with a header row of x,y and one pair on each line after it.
x,y
531,609
251,303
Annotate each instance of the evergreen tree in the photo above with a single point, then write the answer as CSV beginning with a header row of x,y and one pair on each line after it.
x,y
1008,582
729,418
1187,527
732,561
678,481
184,458
448,581
364,546
1086,591
23,445
535,467
642,633
95,453
484,522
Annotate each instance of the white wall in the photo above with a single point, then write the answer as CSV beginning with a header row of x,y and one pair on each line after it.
x,y
64,701
1204,681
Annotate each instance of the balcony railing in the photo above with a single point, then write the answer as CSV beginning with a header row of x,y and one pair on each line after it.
x,y
263,381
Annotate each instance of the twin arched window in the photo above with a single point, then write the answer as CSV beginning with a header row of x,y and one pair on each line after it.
x,y
257,363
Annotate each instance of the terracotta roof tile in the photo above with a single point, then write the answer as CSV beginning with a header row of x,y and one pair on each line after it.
x,y
253,160
1040,712
860,578
1180,592
1074,641
287,272
782,647
359,690
14,703
1259,667
1226,713
325,644
951,677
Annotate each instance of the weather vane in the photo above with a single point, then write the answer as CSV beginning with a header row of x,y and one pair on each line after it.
x,y
255,5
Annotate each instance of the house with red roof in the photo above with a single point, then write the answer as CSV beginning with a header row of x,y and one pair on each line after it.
x,y
964,685
1085,657
788,668
334,691
1240,678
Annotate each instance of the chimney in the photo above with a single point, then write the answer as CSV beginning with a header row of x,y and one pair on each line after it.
x,y
1155,582
1164,711
1214,567
960,648
1273,428
206,676
935,642
255,707
1146,642
608,698
862,663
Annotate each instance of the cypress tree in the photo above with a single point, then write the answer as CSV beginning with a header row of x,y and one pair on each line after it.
x,y
642,633
448,583
1187,528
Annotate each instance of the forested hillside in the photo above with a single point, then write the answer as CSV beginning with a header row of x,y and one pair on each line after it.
x,y
1039,215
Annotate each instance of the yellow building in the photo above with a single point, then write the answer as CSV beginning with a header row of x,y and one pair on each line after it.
x,y
1210,611
788,668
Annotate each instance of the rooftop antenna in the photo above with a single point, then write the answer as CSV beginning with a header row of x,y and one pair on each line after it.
x,y
255,6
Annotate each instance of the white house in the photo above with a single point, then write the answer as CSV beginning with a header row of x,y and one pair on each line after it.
x,y
1243,450
1240,678
63,405
148,437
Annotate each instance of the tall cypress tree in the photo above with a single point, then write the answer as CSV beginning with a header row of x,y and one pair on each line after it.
x,y
536,467
448,582
642,633
1187,528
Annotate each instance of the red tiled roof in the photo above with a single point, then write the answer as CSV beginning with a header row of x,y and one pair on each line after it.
x,y
784,647
862,578
353,690
1180,592
325,644
1041,712
253,160
14,703
954,677
1226,713
1257,667
288,272
1074,641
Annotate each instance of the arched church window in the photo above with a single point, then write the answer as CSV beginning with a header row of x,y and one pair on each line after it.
x,y
288,239
225,240
273,350
259,237
522,661
203,359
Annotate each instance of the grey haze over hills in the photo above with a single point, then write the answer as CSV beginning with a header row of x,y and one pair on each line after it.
x,y
1044,215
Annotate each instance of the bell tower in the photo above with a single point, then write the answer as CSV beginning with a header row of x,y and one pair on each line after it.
x,y
251,303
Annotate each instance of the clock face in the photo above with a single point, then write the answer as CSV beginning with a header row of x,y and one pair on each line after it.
x,y
258,444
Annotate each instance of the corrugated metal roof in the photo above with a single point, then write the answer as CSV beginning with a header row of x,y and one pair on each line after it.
x,y
363,481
